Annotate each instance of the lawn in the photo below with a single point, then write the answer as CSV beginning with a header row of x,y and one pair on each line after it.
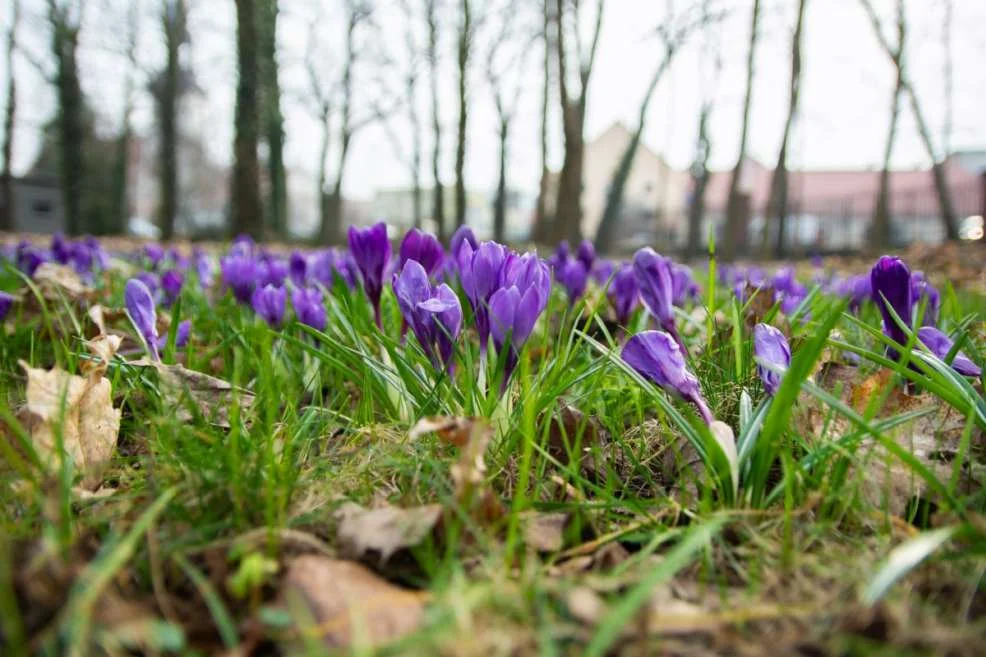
x,y
476,451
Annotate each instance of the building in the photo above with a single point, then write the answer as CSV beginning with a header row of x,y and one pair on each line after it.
x,y
37,204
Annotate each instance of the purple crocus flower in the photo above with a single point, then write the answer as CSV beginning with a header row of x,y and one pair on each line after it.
x,y
573,275
29,258
139,303
269,303
655,278
683,286
239,274
308,307
586,254
773,356
512,317
890,280
298,268
61,249
81,257
203,268
921,289
462,235
623,293
154,254
422,247
171,282
657,357
603,270
182,334
243,245
370,249
434,314
560,256
151,280
6,303
272,271
480,272
940,344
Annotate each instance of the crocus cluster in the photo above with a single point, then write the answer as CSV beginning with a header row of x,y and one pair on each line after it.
x,y
893,293
86,256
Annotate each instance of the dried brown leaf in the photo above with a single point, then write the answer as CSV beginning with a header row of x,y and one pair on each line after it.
x,y
212,396
384,531
81,408
452,430
545,532
55,281
350,604
569,429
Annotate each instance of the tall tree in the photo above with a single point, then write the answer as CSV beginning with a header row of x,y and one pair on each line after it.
x,y
505,71
245,205
168,91
119,214
321,104
438,194
897,59
7,176
737,205
541,220
273,120
65,19
464,46
672,34
568,209
777,203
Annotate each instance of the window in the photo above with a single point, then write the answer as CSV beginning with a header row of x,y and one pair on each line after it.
x,y
41,207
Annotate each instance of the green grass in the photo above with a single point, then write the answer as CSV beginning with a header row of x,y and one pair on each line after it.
x,y
794,553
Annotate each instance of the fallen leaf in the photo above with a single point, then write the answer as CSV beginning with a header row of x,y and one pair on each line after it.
x,y
723,434
545,532
452,430
568,429
55,281
103,347
585,605
350,604
212,396
80,408
384,531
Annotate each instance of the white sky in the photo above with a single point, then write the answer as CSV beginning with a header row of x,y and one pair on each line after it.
x,y
845,94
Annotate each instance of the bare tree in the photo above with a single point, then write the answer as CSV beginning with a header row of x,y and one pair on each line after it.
x,y
410,75
672,34
464,48
168,89
245,204
272,119
119,213
438,194
568,209
321,104
777,203
505,72
65,20
541,221
737,205
6,177
896,56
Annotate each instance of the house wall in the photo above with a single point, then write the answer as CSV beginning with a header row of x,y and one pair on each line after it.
x,y
37,206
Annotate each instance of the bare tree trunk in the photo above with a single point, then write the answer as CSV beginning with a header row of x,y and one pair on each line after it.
x,y
71,127
880,232
415,121
277,203
737,209
500,201
700,180
465,37
614,198
7,176
438,194
245,203
173,22
541,220
777,204
323,196
568,209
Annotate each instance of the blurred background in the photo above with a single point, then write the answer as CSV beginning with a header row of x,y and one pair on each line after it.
x,y
778,127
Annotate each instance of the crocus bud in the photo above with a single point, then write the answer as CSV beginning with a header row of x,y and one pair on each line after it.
x,y
512,317
424,248
656,356
434,314
239,274
940,344
298,268
683,286
623,293
560,256
773,356
140,308
922,290
6,302
269,302
656,282
171,282
586,254
271,271
308,307
203,268
462,235
890,280
480,273
182,334
447,317
370,249
573,276
603,270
